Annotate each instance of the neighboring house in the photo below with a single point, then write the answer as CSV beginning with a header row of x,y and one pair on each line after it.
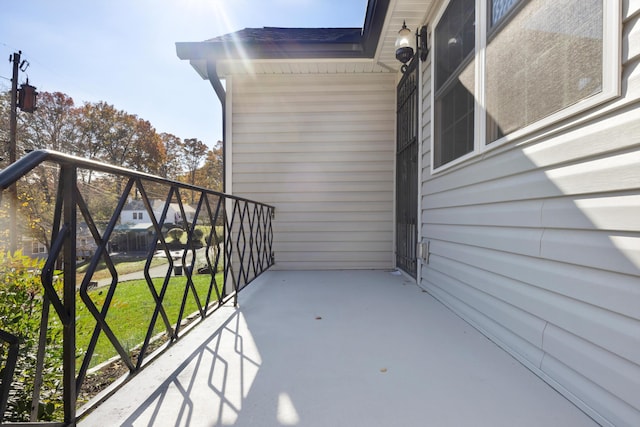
x,y
34,248
502,173
174,216
85,244
135,233
134,212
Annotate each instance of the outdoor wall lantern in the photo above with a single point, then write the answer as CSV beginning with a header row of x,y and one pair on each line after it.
x,y
404,49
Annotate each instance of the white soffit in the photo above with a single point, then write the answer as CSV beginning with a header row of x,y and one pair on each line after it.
x,y
415,13
302,66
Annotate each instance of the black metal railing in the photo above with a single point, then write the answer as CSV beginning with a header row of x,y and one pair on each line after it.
x,y
228,239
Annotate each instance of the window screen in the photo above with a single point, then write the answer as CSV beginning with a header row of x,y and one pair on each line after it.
x,y
546,58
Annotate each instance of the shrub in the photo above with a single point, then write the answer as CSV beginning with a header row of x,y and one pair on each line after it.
x,y
175,234
198,237
20,313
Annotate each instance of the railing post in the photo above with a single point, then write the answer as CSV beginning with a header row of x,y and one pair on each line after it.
x,y
68,177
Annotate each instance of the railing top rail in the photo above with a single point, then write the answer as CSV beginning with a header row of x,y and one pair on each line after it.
x,y
24,165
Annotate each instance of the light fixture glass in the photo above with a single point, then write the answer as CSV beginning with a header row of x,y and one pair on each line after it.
x,y
404,50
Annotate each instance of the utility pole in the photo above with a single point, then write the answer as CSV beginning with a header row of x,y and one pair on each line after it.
x,y
27,103
13,125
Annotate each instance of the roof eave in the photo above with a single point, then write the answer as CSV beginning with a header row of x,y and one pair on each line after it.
x,y
366,48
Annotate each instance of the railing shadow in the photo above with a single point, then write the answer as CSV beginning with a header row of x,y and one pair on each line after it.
x,y
224,243
174,401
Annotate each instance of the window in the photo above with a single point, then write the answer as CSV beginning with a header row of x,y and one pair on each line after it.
x,y
37,247
135,215
139,215
454,82
514,66
548,57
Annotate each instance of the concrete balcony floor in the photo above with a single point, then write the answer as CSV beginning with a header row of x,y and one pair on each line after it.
x,y
337,348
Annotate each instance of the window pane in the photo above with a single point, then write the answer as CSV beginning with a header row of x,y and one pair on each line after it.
x,y
454,121
454,82
499,9
454,38
548,57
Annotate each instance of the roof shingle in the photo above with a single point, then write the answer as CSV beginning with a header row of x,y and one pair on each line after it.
x,y
296,35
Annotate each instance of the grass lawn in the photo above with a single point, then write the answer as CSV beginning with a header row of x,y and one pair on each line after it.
x,y
131,310
123,264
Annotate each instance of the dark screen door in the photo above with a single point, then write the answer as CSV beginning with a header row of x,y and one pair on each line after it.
x,y
407,171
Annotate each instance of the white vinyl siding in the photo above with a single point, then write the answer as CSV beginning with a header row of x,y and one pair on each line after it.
x,y
320,148
537,244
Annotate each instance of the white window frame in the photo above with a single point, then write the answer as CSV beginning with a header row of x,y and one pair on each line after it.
x,y
611,82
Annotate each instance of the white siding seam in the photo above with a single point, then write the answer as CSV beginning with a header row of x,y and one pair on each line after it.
x,y
544,353
544,229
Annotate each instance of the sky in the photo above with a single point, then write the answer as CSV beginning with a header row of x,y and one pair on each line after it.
x,y
123,51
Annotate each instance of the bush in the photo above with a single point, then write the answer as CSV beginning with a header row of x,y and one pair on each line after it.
x,y
20,312
198,235
175,234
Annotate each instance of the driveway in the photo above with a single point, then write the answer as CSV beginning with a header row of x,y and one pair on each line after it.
x,y
157,271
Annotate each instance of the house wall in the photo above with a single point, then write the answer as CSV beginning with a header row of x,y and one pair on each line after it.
x,y
537,244
320,148
127,216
